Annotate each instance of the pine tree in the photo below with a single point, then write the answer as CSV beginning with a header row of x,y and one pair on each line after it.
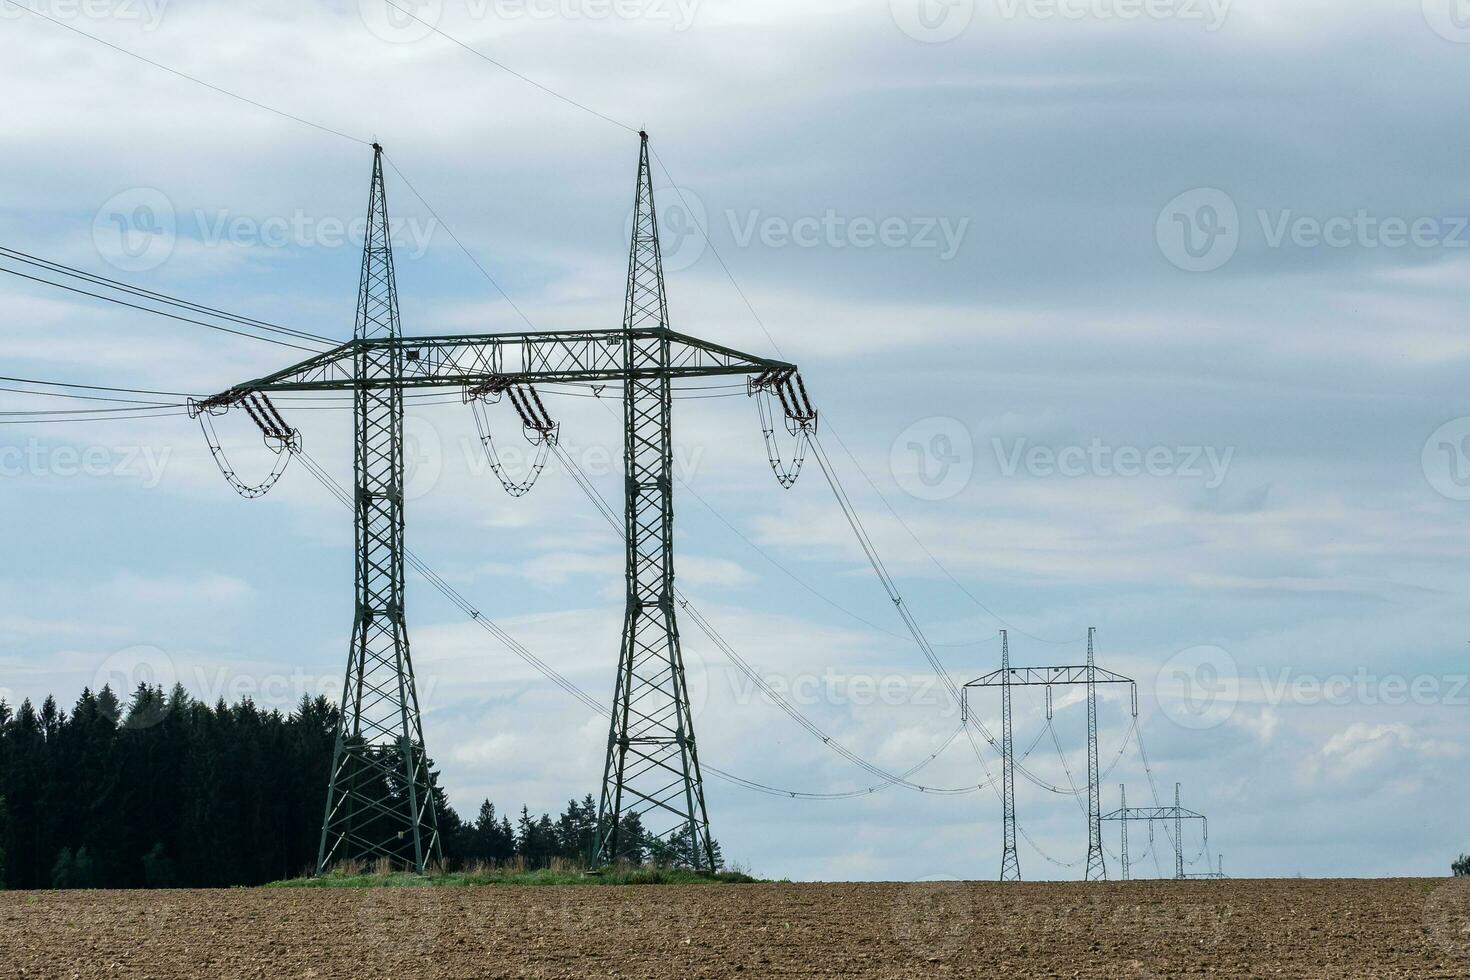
x,y
4,832
158,869
493,841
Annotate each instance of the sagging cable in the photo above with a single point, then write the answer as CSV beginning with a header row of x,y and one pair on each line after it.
x,y
798,413
279,437
537,426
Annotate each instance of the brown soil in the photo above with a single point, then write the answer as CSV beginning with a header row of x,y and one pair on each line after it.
x,y
1414,928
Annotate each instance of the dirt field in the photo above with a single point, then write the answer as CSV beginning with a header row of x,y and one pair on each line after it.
x,y
1298,929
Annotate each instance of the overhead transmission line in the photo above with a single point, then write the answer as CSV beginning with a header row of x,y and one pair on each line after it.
x,y
714,249
185,75
708,629
570,687
924,645
147,296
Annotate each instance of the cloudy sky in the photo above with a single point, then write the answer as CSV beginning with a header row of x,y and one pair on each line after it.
x,y
1146,316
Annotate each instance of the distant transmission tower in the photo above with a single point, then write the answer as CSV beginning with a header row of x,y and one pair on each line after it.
x,y
652,764
1048,677
379,800
1096,870
1123,851
1148,815
1179,837
1010,864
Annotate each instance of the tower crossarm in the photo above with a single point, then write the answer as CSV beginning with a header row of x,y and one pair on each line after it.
x,y
1047,676
594,356
1153,813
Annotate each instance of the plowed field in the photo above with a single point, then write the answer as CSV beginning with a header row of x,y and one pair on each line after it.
x,y
1412,928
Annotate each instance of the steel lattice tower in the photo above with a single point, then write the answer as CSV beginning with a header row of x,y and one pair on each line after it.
x,y
1123,805
652,768
1007,677
1150,814
1010,864
379,799
1096,870
1179,837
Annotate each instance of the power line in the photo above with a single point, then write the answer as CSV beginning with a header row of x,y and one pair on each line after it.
x,y
706,627
89,398
156,312
185,75
511,71
455,238
103,418
567,685
127,391
140,292
714,249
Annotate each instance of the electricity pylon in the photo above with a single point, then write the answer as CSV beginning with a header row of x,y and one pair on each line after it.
x,y
1148,814
382,736
1123,850
1010,863
380,801
1179,837
1096,869
652,765
1007,677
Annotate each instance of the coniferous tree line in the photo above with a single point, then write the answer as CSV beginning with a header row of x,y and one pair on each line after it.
x,y
168,791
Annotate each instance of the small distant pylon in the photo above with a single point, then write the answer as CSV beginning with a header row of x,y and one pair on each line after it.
x,y
1179,838
1096,870
1010,864
1123,805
